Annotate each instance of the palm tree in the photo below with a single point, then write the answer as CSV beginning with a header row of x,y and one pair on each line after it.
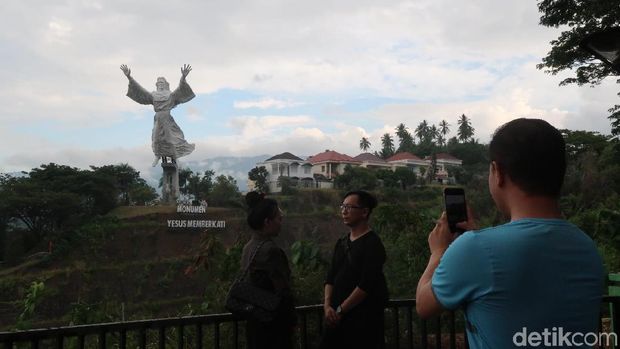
x,y
433,133
364,144
388,146
466,131
405,140
444,128
422,130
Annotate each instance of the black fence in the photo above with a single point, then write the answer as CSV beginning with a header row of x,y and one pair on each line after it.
x,y
402,330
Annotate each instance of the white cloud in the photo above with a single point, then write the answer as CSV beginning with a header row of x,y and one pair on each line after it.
x,y
266,103
264,127
59,31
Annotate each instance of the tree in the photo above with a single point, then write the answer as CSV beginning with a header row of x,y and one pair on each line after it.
x,y
433,133
422,131
184,175
465,131
364,144
579,18
578,142
126,180
405,176
432,170
200,186
405,139
387,143
142,194
442,135
356,178
444,128
225,192
259,176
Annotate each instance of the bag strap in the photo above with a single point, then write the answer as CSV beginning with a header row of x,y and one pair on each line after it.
x,y
245,272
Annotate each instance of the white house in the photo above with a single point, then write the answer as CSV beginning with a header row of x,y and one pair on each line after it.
x,y
287,165
330,164
406,159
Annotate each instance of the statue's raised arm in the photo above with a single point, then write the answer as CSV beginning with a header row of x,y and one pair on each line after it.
x,y
126,70
185,69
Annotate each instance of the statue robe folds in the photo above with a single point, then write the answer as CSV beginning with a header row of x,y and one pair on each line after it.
x,y
167,138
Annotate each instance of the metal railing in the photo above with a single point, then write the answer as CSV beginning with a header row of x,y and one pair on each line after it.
x,y
402,330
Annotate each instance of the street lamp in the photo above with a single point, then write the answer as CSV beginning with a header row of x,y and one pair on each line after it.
x,y
605,45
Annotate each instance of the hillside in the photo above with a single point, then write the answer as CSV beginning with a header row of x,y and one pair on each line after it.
x,y
130,265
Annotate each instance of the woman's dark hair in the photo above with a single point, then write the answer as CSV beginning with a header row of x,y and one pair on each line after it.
x,y
364,199
260,208
532,153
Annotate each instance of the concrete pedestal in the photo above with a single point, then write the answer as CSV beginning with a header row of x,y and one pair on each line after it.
x,y
170,189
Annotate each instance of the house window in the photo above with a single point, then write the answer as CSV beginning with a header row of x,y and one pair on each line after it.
x,y
322,168
274,168
306,170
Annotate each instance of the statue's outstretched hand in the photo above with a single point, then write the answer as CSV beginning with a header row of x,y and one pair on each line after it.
x,y
126,70
185,70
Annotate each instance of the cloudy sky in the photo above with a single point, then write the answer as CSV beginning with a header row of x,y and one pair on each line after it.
x,y
271,76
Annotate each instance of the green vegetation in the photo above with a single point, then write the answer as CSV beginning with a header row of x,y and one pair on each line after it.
x,y
579,18
259,176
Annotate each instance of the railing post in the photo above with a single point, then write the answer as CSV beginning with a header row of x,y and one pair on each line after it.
x,y
452,326
236,333
59,341
438,333
143,338
304,331
180,339
395,329
410,327
198,336
216,335
424,333
102,340
123,339
162,337
81,341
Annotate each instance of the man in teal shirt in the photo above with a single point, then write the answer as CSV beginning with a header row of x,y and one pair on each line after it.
x,y
535,281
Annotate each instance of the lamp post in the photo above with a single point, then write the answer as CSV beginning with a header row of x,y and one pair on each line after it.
x,y
605,45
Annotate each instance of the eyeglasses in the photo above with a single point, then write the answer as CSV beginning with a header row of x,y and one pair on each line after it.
x,y
344,207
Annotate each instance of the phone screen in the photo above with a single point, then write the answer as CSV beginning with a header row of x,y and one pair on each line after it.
x,y
455,207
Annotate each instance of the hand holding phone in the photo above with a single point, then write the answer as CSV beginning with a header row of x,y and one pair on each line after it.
x,y
456,208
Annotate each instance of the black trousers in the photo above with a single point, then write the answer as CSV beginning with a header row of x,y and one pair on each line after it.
x,y
360,330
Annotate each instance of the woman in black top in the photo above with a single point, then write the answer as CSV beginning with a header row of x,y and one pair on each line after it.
x,y
268,270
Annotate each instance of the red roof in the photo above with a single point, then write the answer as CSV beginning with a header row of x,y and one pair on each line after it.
x,y
446,156
369,157
402,156
330,156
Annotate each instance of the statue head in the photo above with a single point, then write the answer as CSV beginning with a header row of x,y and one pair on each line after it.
x,y
162,84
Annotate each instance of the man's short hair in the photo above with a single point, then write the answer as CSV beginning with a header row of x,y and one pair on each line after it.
x,y
532,153
364,198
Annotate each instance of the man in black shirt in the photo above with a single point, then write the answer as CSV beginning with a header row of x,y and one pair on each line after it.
x,y
355,287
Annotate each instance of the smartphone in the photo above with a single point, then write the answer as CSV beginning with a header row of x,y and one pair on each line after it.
x,y
456,210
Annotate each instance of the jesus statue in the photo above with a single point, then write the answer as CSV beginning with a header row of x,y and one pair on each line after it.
x,y
168,141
